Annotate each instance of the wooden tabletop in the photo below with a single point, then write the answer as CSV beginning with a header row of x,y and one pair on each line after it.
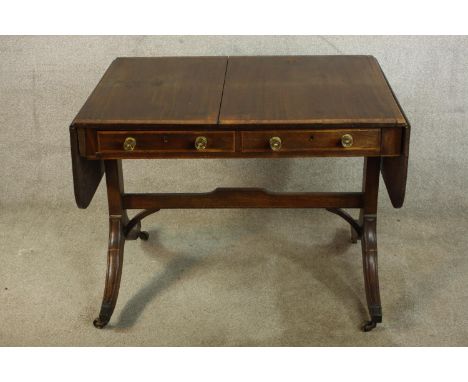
x,y
237,91
159,90
308,90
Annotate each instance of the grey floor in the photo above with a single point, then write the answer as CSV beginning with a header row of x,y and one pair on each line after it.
x,y
231,277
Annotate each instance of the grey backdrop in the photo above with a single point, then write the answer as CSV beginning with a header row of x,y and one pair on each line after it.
x,y
54,255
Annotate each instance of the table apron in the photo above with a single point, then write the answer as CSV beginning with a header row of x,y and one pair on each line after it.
x,y
156,144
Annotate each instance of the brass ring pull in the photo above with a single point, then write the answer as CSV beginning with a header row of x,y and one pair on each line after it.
x,y
347,140
275,143
201,143
129,144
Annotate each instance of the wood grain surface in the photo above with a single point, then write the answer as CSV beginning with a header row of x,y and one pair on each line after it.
x,y
260,91
157,90
313,90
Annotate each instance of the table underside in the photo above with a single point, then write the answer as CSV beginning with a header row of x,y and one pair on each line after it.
x,y
123,228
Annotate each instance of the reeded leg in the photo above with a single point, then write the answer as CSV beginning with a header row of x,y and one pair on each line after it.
x,y
371,277
114,271
368,217
117,221
120,229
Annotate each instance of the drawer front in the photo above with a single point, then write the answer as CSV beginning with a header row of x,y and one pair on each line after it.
x,y
343,141
141,142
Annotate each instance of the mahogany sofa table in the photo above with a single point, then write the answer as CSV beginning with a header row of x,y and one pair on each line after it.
x,y
240,107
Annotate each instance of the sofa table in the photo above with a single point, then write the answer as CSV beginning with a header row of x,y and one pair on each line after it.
x,y
240,107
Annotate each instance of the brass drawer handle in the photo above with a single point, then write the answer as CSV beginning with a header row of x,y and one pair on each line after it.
x,y
347,140
201,143
275,143
129,144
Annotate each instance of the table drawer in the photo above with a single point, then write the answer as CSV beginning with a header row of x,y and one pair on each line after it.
x,y
345,141
138,142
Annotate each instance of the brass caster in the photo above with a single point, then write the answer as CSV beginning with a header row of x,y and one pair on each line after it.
x,y
99,324
369,325
143,235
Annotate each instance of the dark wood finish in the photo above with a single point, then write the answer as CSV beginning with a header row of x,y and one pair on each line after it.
x,y
390,141
156,91
111,142
238,104
366,142
118,233
346,85
117,221
87,174
108,144
243,198
395,170
369,241
311,90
